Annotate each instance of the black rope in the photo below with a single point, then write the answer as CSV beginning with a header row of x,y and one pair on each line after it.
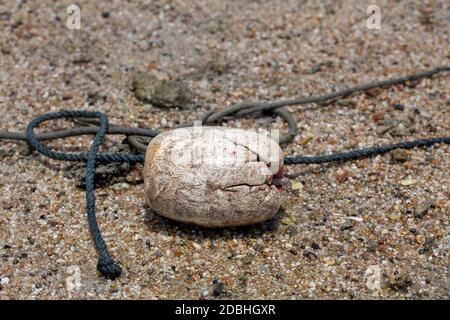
x,y
364,153
250,107
78,131
110,269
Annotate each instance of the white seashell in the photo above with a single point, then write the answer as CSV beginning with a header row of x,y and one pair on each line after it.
x,y
213,176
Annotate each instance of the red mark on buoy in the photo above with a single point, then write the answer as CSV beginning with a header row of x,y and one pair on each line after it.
x,y
276,179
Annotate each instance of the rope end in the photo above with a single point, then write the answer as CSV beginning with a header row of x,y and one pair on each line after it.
x,y
109,269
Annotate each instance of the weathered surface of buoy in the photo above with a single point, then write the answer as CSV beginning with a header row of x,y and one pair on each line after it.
x,y
214,176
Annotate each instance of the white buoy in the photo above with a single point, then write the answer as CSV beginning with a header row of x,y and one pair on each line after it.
x,y
214,176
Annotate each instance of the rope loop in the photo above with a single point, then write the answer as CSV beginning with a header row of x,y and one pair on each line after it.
x,y
108,268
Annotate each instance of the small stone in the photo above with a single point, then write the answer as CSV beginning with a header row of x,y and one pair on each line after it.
x,y
347,225
420,239
315,68
93,97
130,179
408,182
399,107
399,155
4,281
403,126
343,176
247,260
377,116
346,236
345,102
243,280
429,243
372,246
290,220
382,129
373,92
395,216
205,293
330,261
283,35
121,186
23,149
218,288
83,58
400,282
3,154
297,186
309,255
291,230
400,131
421,210
161,93
215,67
215,26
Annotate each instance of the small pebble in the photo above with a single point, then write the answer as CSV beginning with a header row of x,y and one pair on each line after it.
x,y
121,186
408,182
3,154
297,186
382,129
395,216
400,155
421,210
330,261
23,149
4,281
290,220
309,255
161,93
399,107
218,288
400,281
347,225
420,239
